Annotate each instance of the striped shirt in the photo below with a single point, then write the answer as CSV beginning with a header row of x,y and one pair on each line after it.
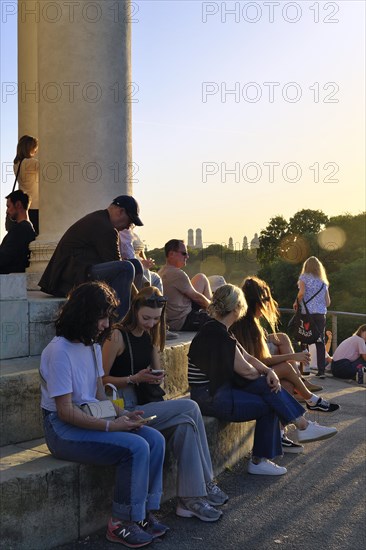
x,y
195,376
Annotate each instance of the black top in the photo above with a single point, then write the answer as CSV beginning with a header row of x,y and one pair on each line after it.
x,y
14,249
213,351
141,350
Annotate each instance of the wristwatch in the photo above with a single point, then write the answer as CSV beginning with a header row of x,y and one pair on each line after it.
x,y
129,381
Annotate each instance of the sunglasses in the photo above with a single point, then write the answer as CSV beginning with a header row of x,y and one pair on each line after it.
x,y
157,301
183,253
266,299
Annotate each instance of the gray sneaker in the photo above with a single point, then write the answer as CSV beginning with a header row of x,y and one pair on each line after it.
x,y
197,507
215,496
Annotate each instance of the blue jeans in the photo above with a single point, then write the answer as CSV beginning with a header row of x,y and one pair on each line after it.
x,y
253,402
138,457
344,368
120,276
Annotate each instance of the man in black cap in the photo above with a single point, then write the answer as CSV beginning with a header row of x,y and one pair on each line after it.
x,y
89,250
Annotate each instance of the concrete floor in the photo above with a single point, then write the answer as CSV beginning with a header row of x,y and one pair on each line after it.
x,y
319,505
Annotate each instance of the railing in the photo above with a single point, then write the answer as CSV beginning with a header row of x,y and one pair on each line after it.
x,y
335,315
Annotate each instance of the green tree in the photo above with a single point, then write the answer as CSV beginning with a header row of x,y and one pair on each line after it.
x,y
270,239
307,221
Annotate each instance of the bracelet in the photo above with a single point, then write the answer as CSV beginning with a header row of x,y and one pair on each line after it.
x,y
107,426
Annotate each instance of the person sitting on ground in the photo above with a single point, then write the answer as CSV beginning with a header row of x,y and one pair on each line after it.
x,y
71,371
90,250
350,354
232,385
131,363
186,298
14,249
251,335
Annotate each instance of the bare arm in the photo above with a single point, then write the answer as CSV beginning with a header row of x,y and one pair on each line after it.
x,y
111,350
250,364
302,356
71,414
300,294
197,297
327,298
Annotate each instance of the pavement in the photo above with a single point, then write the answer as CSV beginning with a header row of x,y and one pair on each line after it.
x,y
319,504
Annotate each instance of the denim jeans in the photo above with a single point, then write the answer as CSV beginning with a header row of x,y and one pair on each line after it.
x,y
138,457
254,402
120,276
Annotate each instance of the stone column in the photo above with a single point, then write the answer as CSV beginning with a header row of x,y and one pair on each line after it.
x,y
84,113
28,87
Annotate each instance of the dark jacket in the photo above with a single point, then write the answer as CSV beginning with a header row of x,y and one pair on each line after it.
x,y
14,249
89,241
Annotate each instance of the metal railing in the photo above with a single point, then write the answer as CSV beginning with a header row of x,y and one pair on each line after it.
x,y
334,315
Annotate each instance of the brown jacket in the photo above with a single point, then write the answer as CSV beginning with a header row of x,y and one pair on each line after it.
x,y
89,241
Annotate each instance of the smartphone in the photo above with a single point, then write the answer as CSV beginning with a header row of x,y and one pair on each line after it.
x,y
157,372
147,419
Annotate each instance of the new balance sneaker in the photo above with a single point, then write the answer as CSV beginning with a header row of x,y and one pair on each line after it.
x,y
315,432
266,468
323,406
215,496
152,526
127,533
289,446
197,507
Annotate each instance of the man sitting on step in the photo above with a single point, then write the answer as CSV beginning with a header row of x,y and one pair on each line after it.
x,y
187,299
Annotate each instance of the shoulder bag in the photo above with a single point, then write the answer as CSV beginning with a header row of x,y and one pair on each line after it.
x,y
302,327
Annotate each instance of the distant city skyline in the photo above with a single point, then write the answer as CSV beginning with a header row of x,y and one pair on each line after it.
x,y
241,111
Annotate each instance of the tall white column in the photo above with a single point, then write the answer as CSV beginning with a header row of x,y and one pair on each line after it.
x,y
28,94
84,112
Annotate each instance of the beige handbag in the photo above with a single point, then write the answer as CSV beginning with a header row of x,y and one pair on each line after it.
x,y
99,409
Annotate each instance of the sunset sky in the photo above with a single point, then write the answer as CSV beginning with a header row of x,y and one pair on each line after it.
x,y
241,116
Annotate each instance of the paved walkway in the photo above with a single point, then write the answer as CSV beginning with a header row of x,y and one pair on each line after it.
x,y
319,505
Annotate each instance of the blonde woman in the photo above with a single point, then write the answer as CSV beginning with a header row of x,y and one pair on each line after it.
x,y
314,292
28,177
232,385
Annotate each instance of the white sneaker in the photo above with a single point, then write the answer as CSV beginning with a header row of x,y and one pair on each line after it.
x,y
314,432
266,468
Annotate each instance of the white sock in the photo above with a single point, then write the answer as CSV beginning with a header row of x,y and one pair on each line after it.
x,y
313,399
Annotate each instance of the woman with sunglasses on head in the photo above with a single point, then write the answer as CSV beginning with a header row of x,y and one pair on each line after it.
x,y
131,363
252,336
230,384
71,373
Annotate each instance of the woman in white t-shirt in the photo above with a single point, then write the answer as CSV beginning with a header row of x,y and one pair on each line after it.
x,y
71,371
28,177
349,354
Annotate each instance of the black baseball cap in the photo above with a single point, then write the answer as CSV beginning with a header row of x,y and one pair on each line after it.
x,y
131,207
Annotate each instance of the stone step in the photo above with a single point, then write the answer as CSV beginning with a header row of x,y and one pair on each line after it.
x,y
47,502
20,416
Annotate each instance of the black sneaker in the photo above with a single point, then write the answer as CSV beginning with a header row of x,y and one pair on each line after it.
x,y
320,375
128,533
323,406
152,526
289,446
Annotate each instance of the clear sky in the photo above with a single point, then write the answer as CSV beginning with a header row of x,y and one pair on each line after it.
x,y
245,110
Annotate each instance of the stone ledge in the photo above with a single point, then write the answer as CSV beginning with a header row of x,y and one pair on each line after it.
x,y
48,502
20,415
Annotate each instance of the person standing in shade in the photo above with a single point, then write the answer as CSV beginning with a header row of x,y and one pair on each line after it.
x,y
14,249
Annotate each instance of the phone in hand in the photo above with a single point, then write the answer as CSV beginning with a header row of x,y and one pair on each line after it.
x,y
157,372
147,419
